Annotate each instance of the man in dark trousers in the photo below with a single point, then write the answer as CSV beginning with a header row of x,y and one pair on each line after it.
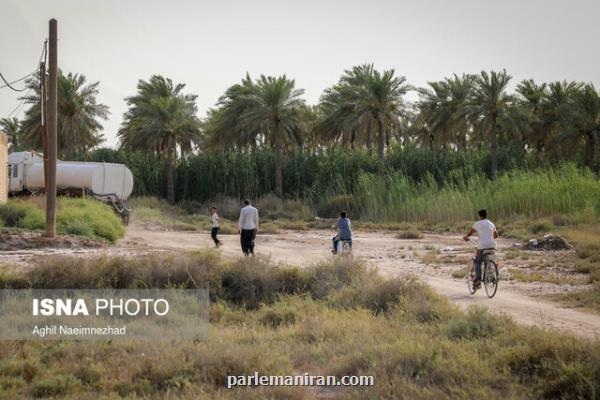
x,y
248,227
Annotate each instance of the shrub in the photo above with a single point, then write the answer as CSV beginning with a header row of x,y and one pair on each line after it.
x,y
57,385
330,207
76,216
89,374
410,234
13,212
476,323
90,218
541,226
34,220
278,314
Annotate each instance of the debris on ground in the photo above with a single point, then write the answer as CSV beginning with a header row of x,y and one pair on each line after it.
x,y
548,243
30,240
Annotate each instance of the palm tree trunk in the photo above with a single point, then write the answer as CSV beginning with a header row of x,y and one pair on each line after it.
x,y
591,150
278,160
170,170
381,149
494,152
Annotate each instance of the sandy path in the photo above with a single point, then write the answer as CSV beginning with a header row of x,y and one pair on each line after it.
x,y
393,257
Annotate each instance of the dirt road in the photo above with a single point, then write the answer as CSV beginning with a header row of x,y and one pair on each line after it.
x,y
395,257
432,258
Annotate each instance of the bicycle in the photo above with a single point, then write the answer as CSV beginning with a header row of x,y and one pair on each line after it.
x,y
344,247
489,274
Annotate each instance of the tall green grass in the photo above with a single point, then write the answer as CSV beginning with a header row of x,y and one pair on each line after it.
x,y
563,190
308,175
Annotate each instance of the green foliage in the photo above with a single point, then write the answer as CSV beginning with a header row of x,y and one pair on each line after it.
x,y
90,218
84,217
57,385
565,190
79,115
21,214
330,207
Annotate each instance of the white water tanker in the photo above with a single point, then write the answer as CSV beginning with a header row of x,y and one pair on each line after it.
x,y
105,181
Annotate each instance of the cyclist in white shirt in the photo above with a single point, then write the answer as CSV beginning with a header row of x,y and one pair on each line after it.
x,y
486,230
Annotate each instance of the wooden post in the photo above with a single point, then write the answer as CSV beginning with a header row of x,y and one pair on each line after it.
x,y
43,100
51,127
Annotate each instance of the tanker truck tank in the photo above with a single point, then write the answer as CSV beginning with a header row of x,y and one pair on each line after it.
x,y
106,181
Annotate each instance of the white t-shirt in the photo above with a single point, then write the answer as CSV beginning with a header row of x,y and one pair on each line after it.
x,y
485,230
215,220
248,218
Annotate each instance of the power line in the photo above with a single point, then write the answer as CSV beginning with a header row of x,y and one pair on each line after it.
x,y
21,104
19,80
9,84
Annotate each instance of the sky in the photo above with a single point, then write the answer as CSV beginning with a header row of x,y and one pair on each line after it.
x,y
210,45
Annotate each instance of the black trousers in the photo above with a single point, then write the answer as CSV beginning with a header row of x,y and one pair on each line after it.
x,y
213,234
247,240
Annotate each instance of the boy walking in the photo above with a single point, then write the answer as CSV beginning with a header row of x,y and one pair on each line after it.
x,y
216,224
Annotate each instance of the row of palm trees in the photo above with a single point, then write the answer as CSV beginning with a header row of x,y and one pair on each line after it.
x,y
470,110
365,108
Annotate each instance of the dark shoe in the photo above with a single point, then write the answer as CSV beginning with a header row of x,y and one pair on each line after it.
x,y
476,284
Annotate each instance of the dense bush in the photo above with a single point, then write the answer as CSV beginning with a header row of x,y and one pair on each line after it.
x,y
21,214
307,175
420,184
88,217
84,217
337,318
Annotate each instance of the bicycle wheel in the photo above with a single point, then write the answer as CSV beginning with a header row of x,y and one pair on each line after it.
x,y
346,249
470,285
491,277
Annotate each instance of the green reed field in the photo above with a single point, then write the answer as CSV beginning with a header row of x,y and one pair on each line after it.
x,y
564,190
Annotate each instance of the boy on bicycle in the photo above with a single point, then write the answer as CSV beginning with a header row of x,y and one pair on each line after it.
x,y
486,230
344,231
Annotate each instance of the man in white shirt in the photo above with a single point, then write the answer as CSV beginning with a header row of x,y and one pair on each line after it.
x,y
248,226
486,230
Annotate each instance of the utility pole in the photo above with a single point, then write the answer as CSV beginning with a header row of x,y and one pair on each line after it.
x,y
51,127
43,100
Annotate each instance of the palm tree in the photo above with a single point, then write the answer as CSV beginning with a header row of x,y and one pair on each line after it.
x,y
78,118
268,111
533,100
443,108
580,122
161,119
10,126
366,102
489,109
